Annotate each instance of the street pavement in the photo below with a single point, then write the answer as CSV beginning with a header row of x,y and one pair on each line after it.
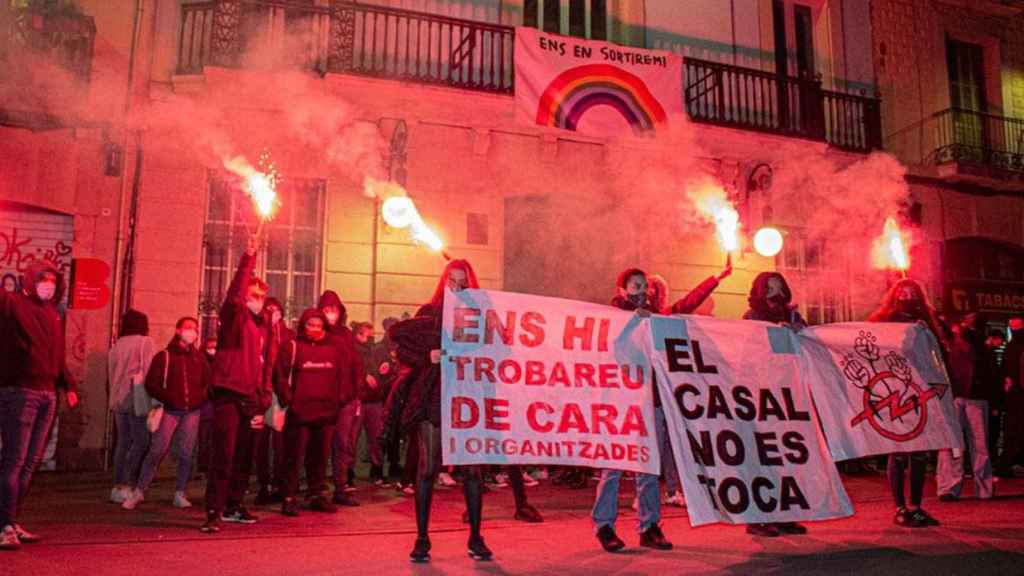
x,y
84,534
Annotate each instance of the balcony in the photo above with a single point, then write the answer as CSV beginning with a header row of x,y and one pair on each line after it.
x,y
47,53
350,38
963,143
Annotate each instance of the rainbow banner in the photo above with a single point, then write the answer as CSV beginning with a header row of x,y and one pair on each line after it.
x,y
595,87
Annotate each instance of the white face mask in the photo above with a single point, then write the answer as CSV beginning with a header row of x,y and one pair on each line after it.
x,y
255,306
332,318
275,317
188,336
46,290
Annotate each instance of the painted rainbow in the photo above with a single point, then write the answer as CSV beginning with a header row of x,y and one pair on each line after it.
x,y
577,90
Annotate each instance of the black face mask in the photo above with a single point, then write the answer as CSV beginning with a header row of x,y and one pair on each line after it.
x,y
777,301
912,307
639,299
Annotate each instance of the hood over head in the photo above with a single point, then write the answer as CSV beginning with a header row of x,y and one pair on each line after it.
x,y
32,274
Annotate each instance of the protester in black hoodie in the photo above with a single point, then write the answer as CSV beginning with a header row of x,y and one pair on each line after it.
x,y
373,391
179,379
310,383
343,453
771,300
416,402
270,472
32,370
241,392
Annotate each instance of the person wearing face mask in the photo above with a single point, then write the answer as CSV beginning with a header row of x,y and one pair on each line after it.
x,y
771,300
240,391
416,403
632,294
270,471
33,369
127,365
343,452
178,378
310,383
204,442
973,366
906,302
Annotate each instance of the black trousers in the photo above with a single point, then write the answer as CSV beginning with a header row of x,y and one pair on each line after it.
x,y
898,464
306,446
270,470
231,456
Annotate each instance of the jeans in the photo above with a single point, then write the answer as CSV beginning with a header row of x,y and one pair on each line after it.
x,y
343,449
372,420
25,420
132,445
668,461
606,507
183,425
231,457
306,445
898,464
973,419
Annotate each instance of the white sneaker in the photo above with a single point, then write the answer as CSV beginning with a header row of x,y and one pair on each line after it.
x,y
118,494
9,539
528,480
542,474
501,480
676,499
133,500
180,501
445,479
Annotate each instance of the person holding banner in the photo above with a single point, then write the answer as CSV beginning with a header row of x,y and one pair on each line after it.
x,y
906,302
771,300
632,295
418,404
310,384
178,378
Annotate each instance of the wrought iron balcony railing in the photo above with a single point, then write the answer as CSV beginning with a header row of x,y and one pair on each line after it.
x,y
967,138
351,38
62,37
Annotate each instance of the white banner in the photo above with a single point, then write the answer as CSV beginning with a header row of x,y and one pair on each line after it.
x,y
745,436
879,388
595,87
536,380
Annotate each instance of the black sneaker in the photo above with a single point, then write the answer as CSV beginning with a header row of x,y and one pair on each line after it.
x,y
609,541
212,524
343,499
654,538
790,528
277,497
421,551
290,507
907,519
322,504
925,518
238,516
527,513
478,550
763,530
263,497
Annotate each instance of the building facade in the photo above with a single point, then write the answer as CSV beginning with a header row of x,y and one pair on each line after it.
x,y
125,158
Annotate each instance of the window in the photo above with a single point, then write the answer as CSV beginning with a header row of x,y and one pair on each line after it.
x,y
815,273
967,93
586,18
290,259
804,30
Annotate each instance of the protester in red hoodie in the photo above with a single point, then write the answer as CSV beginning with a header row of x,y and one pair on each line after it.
x,y
32,370
343,452
311,383
241,392
270,472
179,379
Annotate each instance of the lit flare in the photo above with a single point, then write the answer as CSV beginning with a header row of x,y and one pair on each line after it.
x,y
890,249
714,206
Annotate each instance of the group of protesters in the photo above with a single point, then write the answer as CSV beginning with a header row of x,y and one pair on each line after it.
x,y
293,403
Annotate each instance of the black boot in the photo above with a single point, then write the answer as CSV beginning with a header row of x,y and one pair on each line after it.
x,y
424,495
473,488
